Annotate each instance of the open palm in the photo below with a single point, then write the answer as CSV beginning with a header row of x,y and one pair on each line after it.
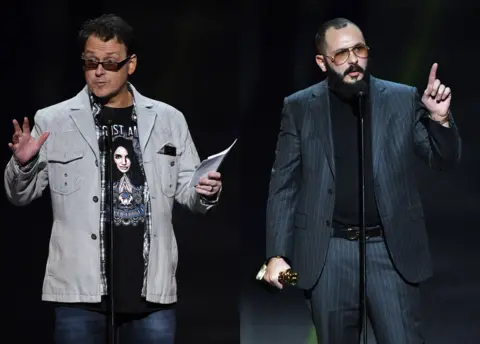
x,y
23,145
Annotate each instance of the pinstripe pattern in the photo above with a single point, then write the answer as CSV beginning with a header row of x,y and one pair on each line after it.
x,y
302,185
302,197
393,304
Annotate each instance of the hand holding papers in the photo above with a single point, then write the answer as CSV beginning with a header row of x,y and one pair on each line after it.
x,y
212,163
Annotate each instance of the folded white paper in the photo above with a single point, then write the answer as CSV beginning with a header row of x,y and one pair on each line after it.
x,y
212,163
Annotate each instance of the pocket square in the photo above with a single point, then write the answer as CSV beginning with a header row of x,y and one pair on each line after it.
x,y
168,149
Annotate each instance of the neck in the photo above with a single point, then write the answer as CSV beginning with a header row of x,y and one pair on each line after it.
x,y
121,99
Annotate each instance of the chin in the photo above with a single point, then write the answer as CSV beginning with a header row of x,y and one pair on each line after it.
x,y
101,93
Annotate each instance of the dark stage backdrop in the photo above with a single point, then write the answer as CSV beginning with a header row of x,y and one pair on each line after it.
x,y
406,38
227,65
188,57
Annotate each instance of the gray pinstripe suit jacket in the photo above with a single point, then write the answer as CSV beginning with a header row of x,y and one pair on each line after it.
x,y
302,186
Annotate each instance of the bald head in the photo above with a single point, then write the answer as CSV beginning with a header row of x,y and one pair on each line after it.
x,y
329,26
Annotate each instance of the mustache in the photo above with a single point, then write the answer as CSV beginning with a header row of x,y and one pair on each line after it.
x,y
354,68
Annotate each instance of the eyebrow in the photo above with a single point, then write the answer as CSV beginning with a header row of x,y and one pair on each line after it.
x,y
89,52
353,46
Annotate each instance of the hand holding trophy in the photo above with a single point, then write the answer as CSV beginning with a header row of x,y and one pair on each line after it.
x,y
288,277
277,273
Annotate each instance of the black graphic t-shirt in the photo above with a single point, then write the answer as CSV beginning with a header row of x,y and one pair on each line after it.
x,y
128,211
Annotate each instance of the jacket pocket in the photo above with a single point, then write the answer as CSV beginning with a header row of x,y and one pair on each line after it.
x,y
64,171
168,167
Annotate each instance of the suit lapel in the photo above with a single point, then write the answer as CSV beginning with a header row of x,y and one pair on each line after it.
x,y
319,106
380,119
82,116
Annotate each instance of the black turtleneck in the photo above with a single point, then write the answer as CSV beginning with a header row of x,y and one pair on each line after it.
x,y
345,126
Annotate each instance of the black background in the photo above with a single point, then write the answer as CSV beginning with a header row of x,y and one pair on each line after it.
x,y
227,66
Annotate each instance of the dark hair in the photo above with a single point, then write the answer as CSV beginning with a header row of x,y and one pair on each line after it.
x,y
107,27
337,23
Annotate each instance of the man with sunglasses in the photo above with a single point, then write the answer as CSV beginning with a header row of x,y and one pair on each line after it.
x,y
154,159
313,214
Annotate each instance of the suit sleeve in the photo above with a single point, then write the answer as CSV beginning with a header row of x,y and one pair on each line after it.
x,y
283,189
437,145
25,184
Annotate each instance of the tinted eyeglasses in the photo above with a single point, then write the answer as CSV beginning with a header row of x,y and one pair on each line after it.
x,y
112,66
340,57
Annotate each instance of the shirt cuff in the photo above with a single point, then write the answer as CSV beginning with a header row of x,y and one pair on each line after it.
x,y
25,169
450,120
208,201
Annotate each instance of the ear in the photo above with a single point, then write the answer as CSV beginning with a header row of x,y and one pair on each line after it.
x,y
132,64
320,60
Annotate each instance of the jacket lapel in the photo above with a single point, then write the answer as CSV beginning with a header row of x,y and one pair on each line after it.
x,y
380,119
81,114
146,118
319,105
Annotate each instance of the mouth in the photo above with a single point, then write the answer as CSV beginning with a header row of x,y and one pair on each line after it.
x,y
354,74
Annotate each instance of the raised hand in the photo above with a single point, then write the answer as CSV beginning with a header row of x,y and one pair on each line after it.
x,y
437,96
23,145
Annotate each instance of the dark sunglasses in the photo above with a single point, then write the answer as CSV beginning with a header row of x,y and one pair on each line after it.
x,y
111,66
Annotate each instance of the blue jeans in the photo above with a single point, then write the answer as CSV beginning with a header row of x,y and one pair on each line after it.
x,y
79,326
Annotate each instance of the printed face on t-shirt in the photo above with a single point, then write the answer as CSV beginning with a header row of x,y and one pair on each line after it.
x,y
121,159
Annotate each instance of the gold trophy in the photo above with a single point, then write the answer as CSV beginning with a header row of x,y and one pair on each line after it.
x,y
287,277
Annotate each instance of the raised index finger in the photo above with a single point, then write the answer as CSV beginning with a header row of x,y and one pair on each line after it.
x,y
433,74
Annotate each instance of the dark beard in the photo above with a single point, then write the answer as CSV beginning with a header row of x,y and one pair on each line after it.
x,y
345,90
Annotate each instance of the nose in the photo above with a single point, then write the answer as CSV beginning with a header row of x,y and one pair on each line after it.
x,y
352,58
100,70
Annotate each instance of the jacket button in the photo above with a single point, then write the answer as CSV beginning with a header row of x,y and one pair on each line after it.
x,y
172,163
95,199
330,191
328,223
94,236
